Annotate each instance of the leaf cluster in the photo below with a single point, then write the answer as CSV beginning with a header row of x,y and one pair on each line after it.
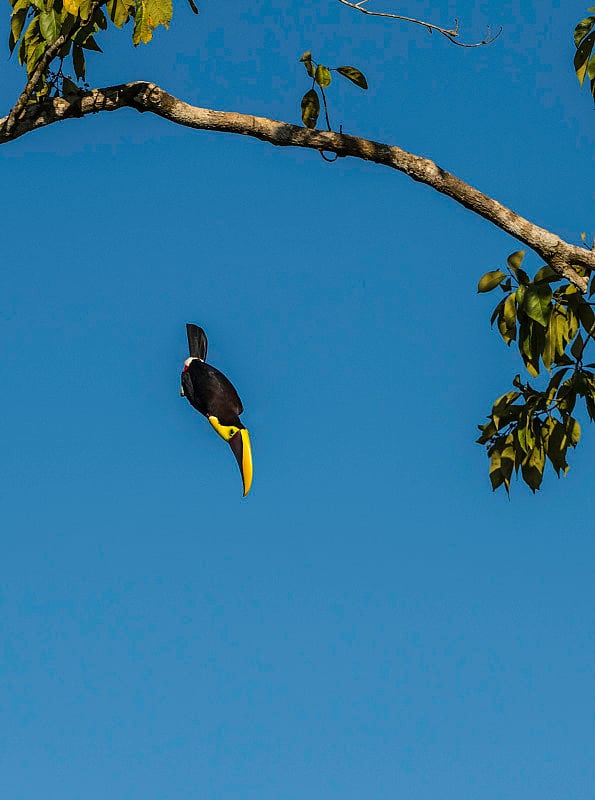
x,y
552,326
584,59
322,78
35,25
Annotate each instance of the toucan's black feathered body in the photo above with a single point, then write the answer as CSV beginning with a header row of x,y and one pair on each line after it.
x,y
213,395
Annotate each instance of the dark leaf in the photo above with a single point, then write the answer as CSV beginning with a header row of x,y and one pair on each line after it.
x,y
582,56
353,75
546,275
532,468
310,108
78,62
582,29
577,347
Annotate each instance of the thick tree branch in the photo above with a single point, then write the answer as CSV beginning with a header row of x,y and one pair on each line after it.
x,y
564,258
450,33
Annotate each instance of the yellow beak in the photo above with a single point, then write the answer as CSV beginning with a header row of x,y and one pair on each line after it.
x,y
239,441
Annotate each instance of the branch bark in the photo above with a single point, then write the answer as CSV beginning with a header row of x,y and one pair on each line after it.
x,y
563,257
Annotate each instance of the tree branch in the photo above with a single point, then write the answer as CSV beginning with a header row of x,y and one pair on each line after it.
x,y
49,55
563,257
450,34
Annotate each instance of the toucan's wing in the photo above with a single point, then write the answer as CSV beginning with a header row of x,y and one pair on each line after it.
x,y
197,341
187,388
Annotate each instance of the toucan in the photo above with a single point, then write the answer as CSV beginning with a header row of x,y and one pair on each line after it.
x,y
211,393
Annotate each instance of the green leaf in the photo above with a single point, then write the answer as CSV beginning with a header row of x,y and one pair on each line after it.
x,y
501,408
573,431
307,56
323,76
557,445
490,280
577,347
17,21
586,317
497,311
582,56
354,75
532,468
310,108
566,396
554,383
49,25
119,11
70,90
537,303
514,261
78,62
507,319
90,44
582,29
149,15
546,275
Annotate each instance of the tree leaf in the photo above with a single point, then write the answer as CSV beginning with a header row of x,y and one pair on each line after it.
x,y
354,75
586,316
48,25
537,303
582,29
78,62
490,280
514,261
310,108
507,319
573,431
149,15
546,275
17,21
582,56
577,347
69,89
119,11
323,76
532,468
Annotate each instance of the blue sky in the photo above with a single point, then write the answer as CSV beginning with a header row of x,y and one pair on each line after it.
x,y
371,621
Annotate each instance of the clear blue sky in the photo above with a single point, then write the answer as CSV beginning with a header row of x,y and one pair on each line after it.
x,y
371,622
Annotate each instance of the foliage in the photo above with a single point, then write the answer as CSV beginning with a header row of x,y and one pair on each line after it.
x,y
584,59
35,25
321,77
552,326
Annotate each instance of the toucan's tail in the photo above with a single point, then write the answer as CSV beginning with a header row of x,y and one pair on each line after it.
x,y
197,341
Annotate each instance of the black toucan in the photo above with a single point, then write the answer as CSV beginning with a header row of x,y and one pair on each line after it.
x,y
211,393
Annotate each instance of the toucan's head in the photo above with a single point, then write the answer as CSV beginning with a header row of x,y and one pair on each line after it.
x,y
188,362
238,439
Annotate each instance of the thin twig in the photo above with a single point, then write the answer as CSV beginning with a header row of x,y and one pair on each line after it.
x,y
451,34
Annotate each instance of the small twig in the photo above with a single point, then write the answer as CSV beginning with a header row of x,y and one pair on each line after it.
x,y
328,124
451,34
